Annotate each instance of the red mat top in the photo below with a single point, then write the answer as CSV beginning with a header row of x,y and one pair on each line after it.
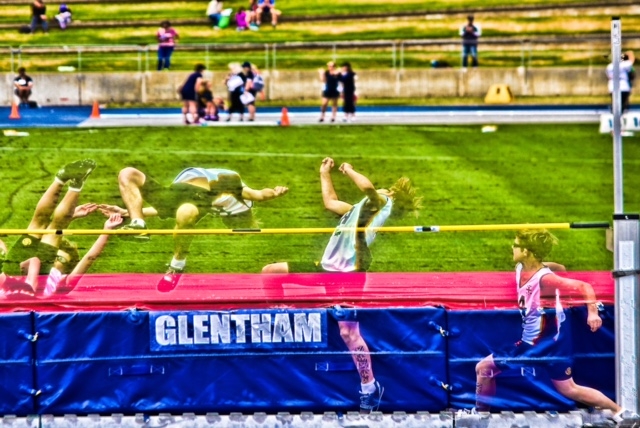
x,y
466,290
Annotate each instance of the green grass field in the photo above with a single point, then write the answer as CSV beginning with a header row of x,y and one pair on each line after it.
x,y
519,174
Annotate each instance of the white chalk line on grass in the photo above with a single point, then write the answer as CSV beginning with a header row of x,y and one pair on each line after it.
x,y
595,161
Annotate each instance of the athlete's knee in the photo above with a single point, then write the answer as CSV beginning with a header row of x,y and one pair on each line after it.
x,y
350,333
276,268
568,388
131,175
187,216
484,368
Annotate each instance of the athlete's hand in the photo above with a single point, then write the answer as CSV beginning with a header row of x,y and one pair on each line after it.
x,y
327,165
280,190
84,210
344,167
594,321
107,210
113,221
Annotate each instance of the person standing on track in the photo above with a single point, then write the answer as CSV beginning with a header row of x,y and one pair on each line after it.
x,y
348,252
330,77
348,79
189,93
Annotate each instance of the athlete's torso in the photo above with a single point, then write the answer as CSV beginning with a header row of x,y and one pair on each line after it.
x,y
223,204
348,250
533,314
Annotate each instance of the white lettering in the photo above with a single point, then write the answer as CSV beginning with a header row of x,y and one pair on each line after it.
x,y
261,331
220,329
241,330
199,329
282,329
307,330
183,331
165,332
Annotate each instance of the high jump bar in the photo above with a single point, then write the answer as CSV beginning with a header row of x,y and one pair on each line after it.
x,y
309,230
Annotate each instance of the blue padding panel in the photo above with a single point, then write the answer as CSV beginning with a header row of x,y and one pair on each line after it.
x,y
16,365
280,360
527,387
594,353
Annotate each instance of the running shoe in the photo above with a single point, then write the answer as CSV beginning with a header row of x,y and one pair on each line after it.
x,y
77,171
142,237
370,402
170,280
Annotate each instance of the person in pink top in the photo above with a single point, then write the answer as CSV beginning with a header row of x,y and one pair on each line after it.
x,y
241,20
167,38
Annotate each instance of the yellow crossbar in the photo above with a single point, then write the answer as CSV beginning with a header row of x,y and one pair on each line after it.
x,y
308,230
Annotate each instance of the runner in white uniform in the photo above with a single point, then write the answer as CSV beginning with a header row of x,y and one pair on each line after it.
x,y
542,335
348,252
194,193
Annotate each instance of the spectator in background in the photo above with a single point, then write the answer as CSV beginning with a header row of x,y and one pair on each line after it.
x,y
626,76
252,15
39,16
206,107
330,77
267,6
235,84
470,33
214,12
189,93
23,85
348,79
167,37
242,23
64,16
247,77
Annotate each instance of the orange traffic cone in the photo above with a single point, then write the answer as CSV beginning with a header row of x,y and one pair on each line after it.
x,y
284,120
15,114
95,112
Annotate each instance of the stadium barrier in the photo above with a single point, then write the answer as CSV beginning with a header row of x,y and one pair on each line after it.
x,y
279,360
325,420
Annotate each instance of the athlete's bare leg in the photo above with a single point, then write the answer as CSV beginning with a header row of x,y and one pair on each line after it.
x,y
272,282
130,181
46,205
486,371
350,333
62,217
187,217
585,395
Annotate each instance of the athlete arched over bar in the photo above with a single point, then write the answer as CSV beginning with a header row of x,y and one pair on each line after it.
x,y
348,252
193,194
51,255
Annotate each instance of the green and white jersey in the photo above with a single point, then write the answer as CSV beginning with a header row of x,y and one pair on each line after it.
x,y
224,204
348,249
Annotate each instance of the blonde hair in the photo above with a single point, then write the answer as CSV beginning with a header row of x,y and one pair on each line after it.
x,y
539,241
405,198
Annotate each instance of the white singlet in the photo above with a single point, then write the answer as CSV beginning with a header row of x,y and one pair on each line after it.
x,y
224,204
342,253
530,308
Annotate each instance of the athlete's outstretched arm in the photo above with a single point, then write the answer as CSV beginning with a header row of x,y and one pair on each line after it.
x,y
555,267
573,285
263,195
329,195
364,184
92,255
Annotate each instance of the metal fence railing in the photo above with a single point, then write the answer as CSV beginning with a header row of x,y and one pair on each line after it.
x,y
395,55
